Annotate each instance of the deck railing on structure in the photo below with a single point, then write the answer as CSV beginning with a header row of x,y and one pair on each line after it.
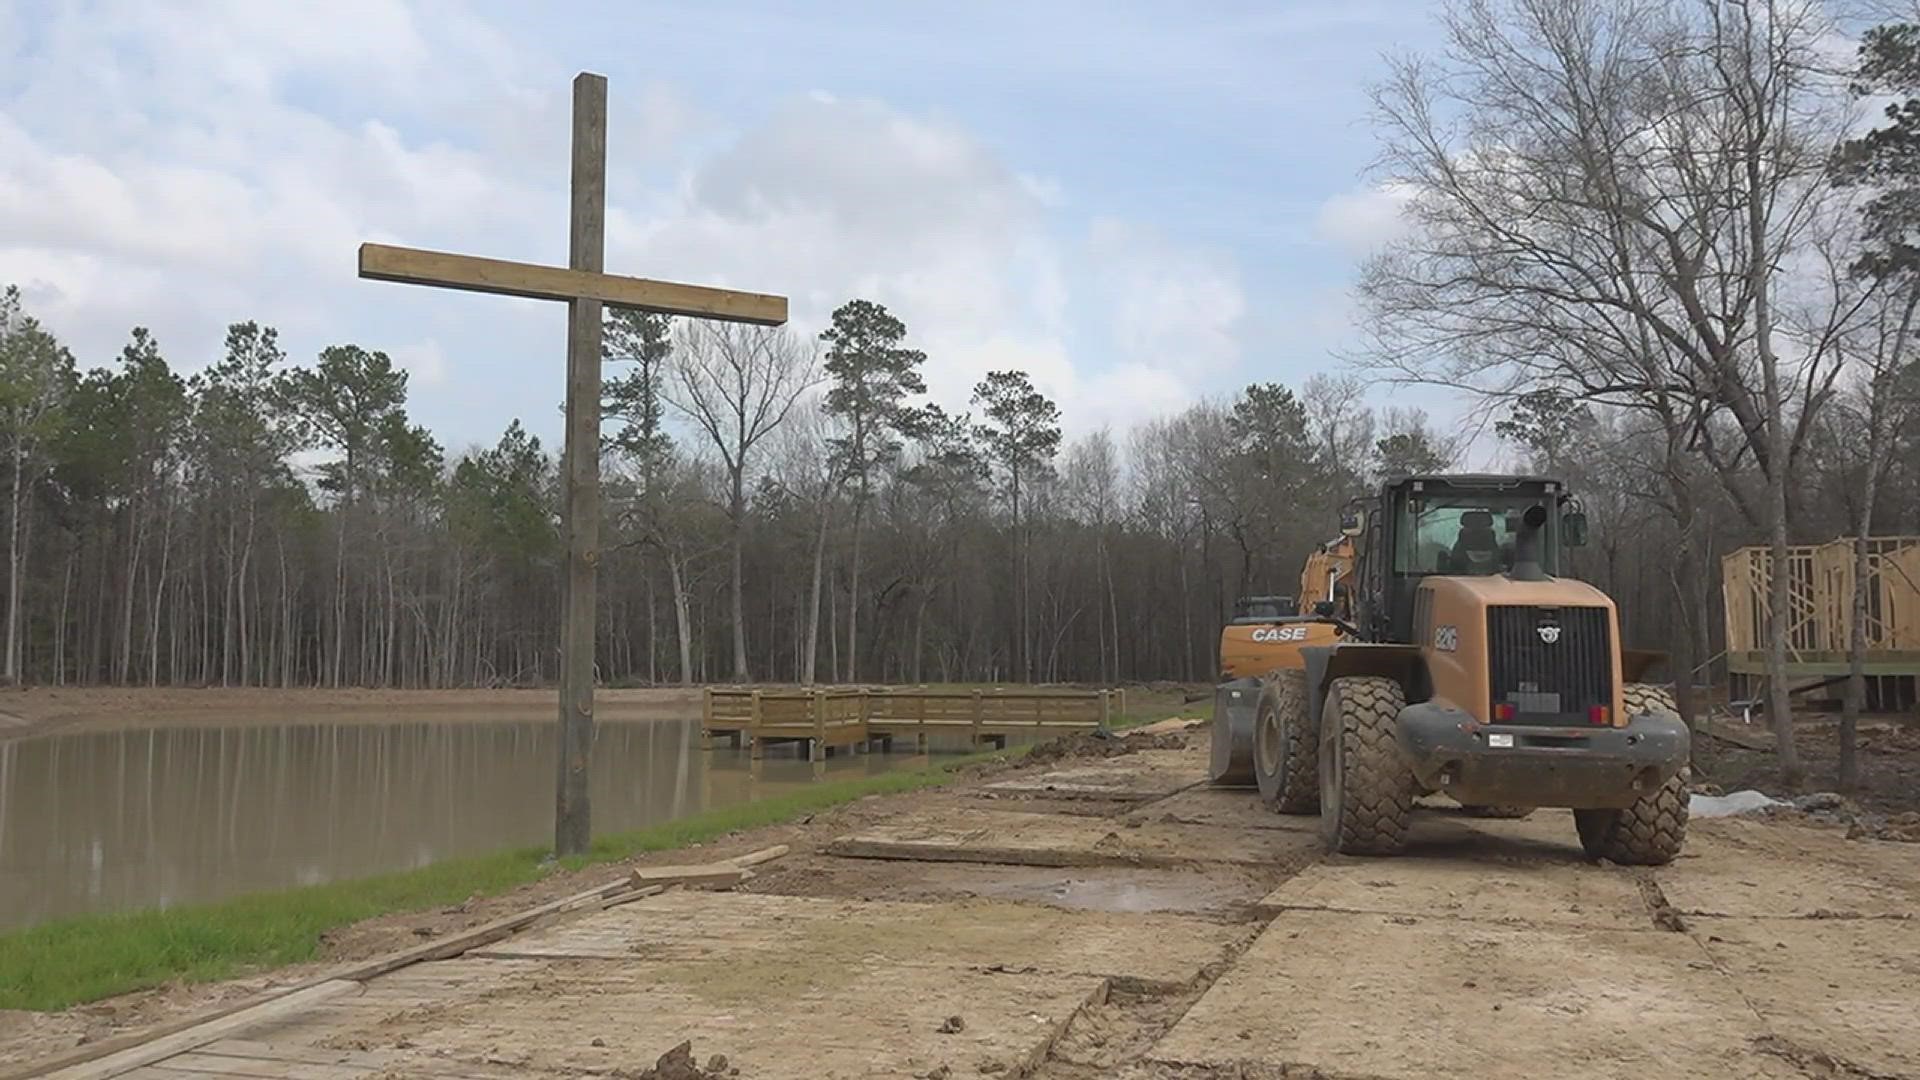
x,y
856,716
1820,580
1820,605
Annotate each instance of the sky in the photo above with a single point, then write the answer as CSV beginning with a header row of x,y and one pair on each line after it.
x,y
1140,204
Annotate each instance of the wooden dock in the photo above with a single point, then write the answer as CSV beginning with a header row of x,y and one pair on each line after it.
x,y
828,719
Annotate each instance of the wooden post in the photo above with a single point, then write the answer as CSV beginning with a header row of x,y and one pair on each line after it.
x,y
920,715
573,814
1106,710
818,751
755,748
978,706
584,286
706,719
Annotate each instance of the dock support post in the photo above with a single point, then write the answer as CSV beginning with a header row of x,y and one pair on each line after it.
x,y
755,750
818,751
974,741
1106,710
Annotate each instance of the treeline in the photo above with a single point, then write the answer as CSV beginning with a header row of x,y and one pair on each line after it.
x,y
777,509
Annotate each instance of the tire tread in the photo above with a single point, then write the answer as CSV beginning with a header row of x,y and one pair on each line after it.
x,y
1377,786
1652,831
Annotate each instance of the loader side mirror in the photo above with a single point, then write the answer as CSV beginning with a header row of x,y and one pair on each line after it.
x,y
1574,526
1353,522
1323,608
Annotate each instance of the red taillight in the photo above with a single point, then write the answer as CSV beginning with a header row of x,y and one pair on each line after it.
x,y
1598,715
1504,712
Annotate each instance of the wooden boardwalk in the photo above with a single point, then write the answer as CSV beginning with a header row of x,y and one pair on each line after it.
x,y
827,719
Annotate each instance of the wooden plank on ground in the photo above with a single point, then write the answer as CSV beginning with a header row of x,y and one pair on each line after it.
x,y
179,1042
764,855
202,1065
286,1051
1024,839
1748,736
357,972
721,874
750,935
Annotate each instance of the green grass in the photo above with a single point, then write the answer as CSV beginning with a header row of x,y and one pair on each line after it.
x,y
57,964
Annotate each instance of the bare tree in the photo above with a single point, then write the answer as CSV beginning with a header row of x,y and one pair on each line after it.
x,y
1092,487
1606,192
737,384
1880,401
808,470
36,374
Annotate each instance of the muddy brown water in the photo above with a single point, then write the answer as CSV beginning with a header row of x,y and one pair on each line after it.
x,y
101,821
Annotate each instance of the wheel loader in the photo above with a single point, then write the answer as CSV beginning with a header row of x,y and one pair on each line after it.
x,y
1468,668
1266,635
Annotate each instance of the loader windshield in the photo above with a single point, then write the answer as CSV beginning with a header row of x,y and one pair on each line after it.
x,y
1467,533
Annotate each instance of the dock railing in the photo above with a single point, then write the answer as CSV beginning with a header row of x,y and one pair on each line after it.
x,y
827,719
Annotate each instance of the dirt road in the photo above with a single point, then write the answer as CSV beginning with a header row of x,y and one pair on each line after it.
x,y
1114,917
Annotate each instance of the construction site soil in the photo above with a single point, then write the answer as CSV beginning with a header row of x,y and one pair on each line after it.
x,y
1101,912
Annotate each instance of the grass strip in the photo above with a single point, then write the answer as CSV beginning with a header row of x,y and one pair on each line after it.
x,y
70,961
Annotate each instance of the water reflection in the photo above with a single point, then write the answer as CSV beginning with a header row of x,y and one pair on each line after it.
x,y
143,818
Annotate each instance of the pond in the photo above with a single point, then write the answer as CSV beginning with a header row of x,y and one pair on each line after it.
x,y
164,815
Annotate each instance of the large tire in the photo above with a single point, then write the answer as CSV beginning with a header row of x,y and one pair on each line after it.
x,y
1653,830
1366,787
1285,747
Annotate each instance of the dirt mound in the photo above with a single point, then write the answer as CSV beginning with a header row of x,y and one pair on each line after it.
x,y
678,1064
1831,809
1904,828
1891,741
1103,745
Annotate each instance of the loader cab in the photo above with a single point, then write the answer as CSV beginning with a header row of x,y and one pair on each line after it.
x,y
1259,609
1460,525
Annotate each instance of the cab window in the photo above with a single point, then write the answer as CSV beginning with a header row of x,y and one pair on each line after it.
x,y
1464,534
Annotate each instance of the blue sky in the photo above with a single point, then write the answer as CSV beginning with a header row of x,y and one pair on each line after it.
x,y
1142,204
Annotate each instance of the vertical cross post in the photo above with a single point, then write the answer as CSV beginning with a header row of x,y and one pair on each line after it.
x,y
584,286
573,819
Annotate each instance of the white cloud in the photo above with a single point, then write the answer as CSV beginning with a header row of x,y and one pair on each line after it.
x,y
1359,222
834,198
1173,307
425,364
182,170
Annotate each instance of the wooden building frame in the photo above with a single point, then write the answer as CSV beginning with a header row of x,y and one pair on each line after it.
x,y
1819,628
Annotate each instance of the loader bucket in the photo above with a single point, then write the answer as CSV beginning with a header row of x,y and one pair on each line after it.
x,y
1234,704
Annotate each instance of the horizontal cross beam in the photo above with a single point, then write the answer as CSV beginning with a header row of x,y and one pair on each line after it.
x,y
384,262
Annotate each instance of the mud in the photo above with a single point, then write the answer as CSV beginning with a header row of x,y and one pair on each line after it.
x,y
1104,745
679,1064
1889,763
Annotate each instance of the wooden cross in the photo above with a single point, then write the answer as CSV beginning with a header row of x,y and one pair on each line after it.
x,y
585,287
